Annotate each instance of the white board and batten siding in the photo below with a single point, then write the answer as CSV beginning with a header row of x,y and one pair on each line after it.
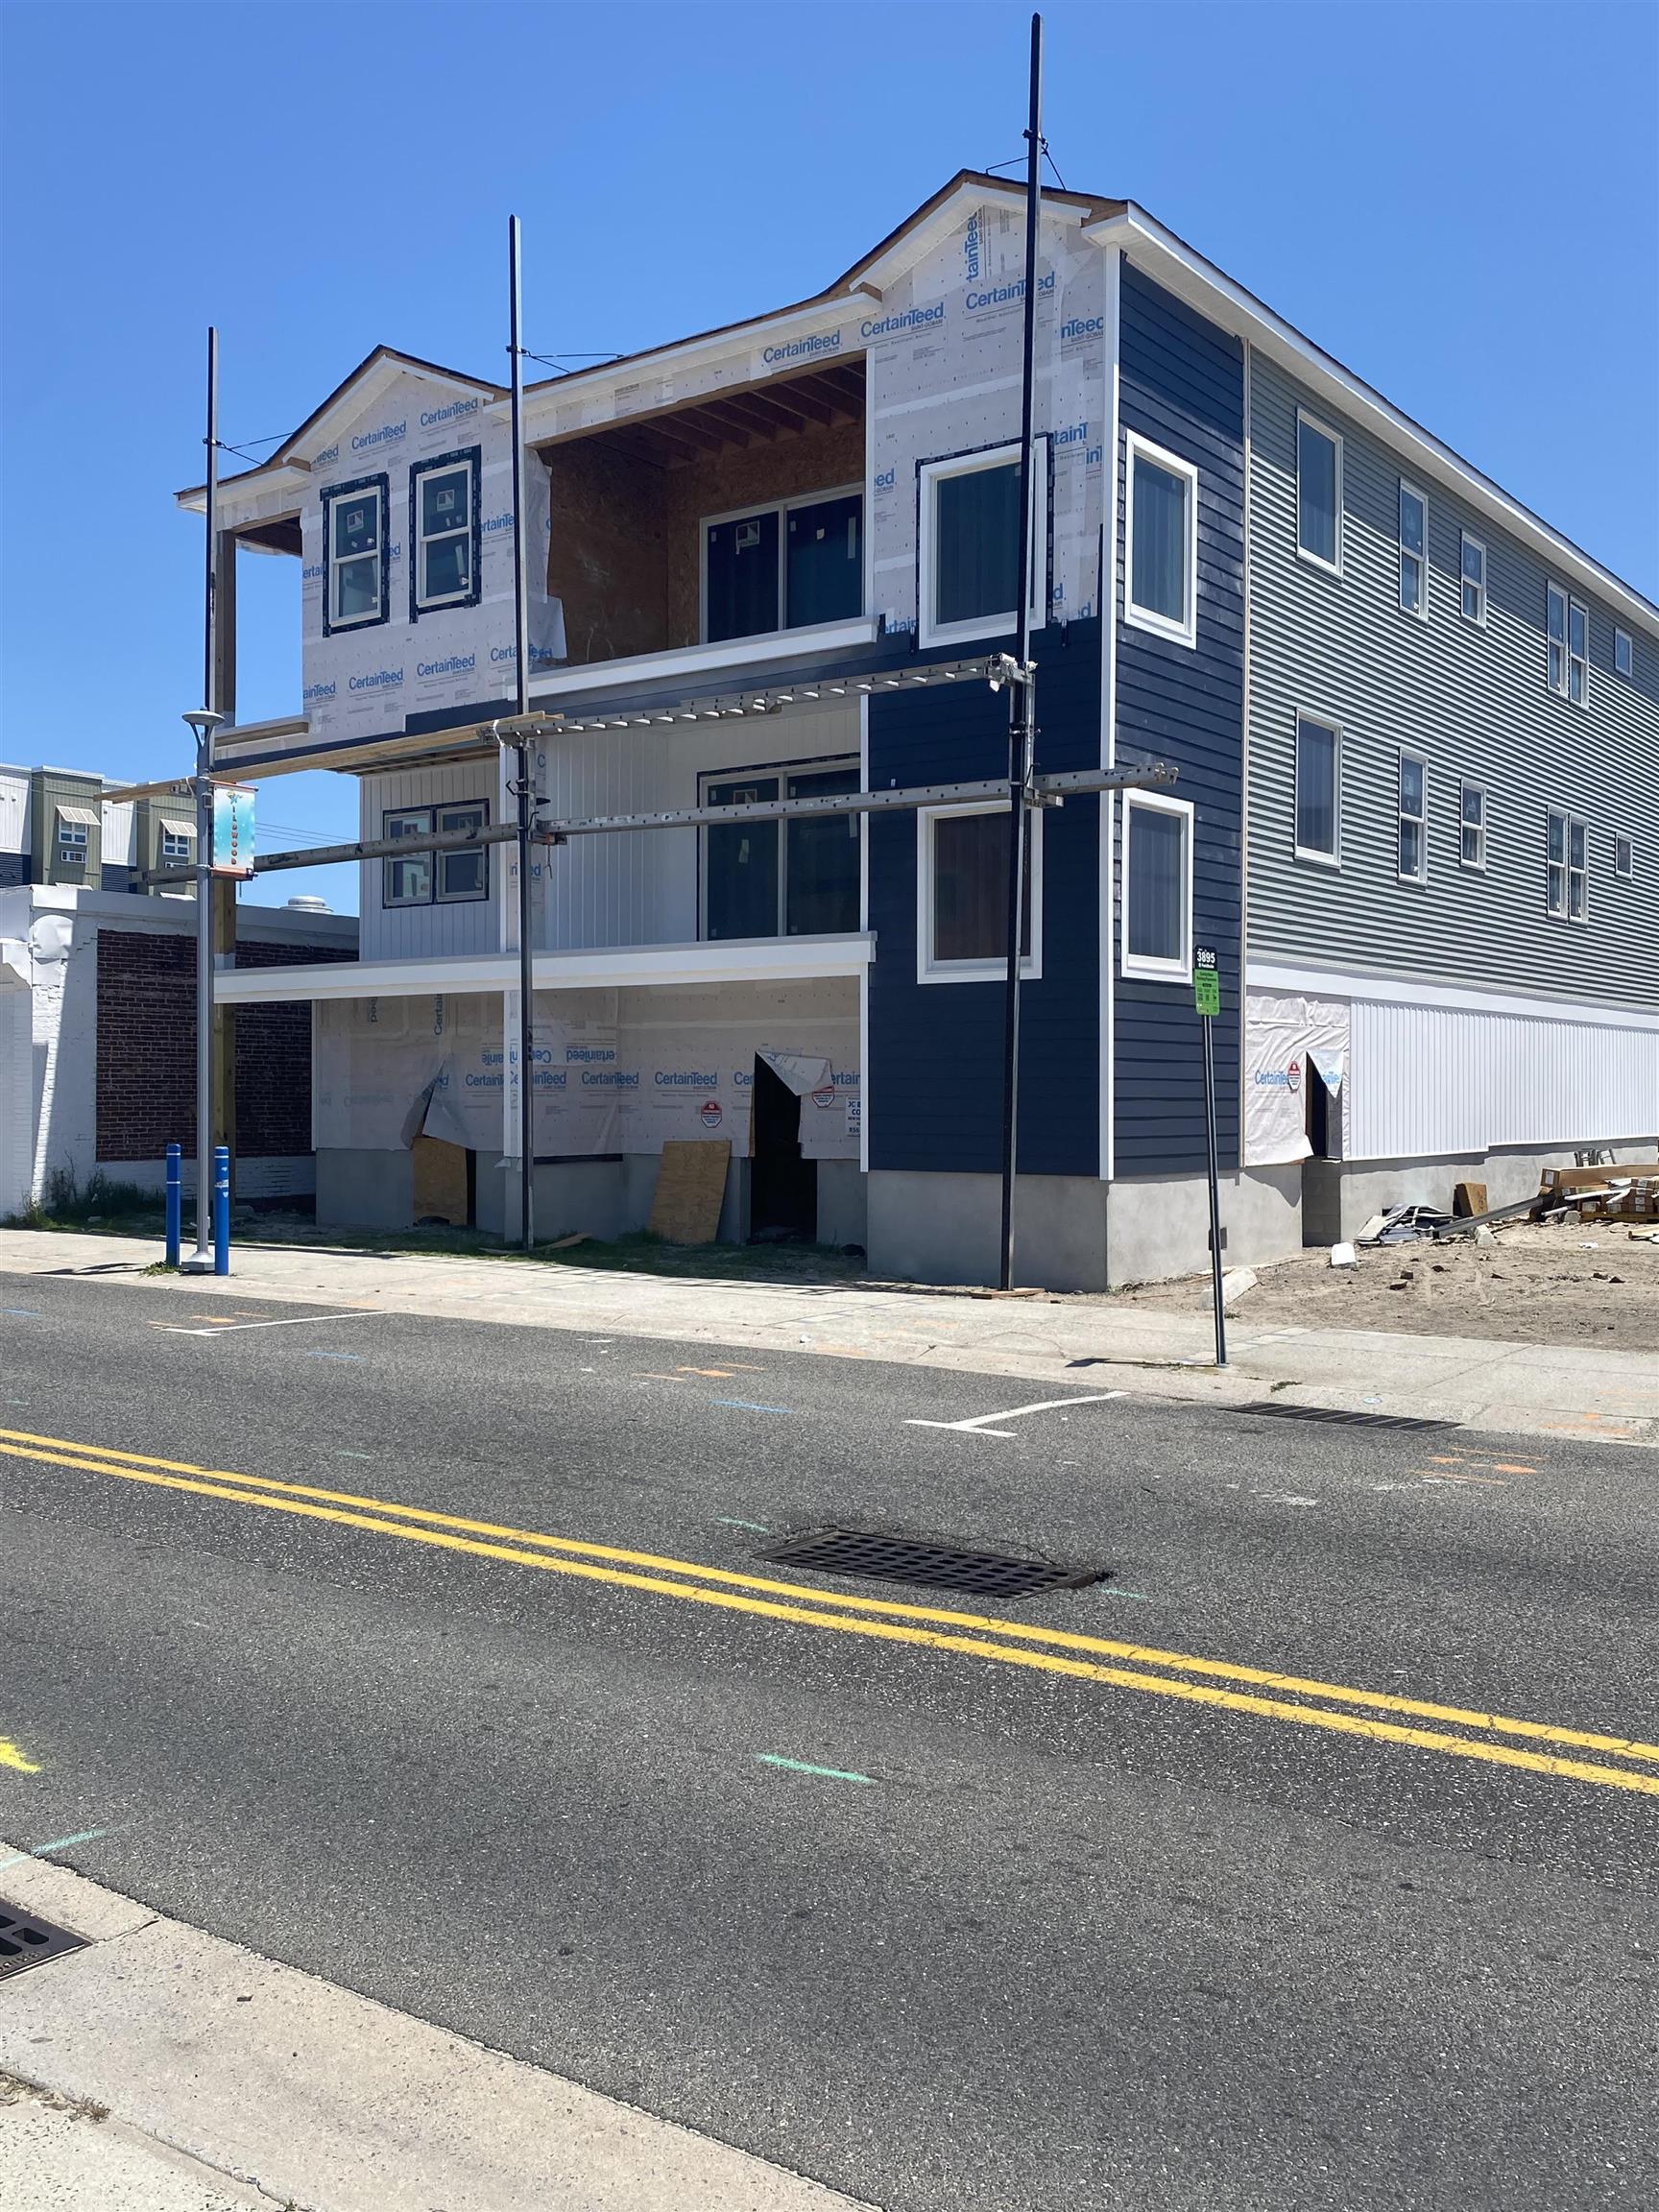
x,y
1435,1071
442,928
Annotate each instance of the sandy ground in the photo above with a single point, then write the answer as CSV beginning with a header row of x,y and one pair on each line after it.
x,y
1585,1284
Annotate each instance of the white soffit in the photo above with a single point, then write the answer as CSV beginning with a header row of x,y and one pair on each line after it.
x,y
1214,295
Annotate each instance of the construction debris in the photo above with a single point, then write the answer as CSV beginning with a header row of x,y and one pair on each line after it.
x,y
1344,1256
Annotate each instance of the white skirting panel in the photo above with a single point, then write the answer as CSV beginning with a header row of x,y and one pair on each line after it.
x,y
1435,1070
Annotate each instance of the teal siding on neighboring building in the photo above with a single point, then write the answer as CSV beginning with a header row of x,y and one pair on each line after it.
x,y
1473,702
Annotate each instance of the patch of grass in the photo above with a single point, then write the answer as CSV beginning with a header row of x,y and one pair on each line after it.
x,y
99,1203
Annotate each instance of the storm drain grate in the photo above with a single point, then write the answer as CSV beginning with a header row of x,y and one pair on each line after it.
x,y
1343,1420
933,1566
28,1941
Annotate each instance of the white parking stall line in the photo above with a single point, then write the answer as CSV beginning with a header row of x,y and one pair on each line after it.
x,y
288,1321
980,1425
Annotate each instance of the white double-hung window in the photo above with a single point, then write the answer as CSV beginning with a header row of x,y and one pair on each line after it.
x,y
1413,551
1473,565
1319,789
1156,888
354,540
1567,867
962,894
1161,543
1472,826
968,555
443,504
1413,821
1318,493
1578,653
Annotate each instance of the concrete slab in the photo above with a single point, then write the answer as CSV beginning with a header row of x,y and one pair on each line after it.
x,y
274,2082
55,2157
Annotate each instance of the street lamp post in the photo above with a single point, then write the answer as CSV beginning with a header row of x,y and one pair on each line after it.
x,y
203,721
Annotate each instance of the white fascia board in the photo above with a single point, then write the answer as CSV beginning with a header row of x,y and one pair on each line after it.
x,y
1377,989
907,250
730,960
1216,295
256,483
705,659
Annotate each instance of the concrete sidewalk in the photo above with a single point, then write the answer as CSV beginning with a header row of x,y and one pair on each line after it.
x,y
1525,1389
183,2074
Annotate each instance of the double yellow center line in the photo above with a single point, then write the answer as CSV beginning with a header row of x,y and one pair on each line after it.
x,y
1382,1717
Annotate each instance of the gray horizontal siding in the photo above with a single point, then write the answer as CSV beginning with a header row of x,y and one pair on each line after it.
x,y
1473,702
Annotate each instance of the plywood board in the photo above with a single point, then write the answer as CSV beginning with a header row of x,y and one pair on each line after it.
x,y
440,1181
690,1189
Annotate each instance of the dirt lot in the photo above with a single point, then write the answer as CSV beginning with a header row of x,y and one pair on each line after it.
x,y
1588,1283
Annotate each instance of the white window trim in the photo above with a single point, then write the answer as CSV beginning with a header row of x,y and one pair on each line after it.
x,y
781,508
1409,489
1140,618
1551,593
1467,539
1139,965
933,472
1569,823
929,969
1421,873
387,901
1317,559
1578,660
1475,867
1332,859
175,846
425,603
1623,637
440,897
1578,822
780,771
333,563
1622,837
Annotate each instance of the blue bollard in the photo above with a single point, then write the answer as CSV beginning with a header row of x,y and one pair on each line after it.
x,y
175,1203
221,1209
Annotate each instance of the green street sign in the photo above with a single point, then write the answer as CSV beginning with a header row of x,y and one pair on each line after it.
x,y
1206,982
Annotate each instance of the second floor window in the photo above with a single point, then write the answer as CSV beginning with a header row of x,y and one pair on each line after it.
x,y
1318,788
968,558
443,507
178,844
1413,836
1472,826
1413,551
422,878
784,567
1567,867
795,878
354,546
74,836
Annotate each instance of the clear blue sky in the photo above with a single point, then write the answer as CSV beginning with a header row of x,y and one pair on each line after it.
x,y
1462,201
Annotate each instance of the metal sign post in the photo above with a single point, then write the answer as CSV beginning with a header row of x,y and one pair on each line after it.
x,y
1207,996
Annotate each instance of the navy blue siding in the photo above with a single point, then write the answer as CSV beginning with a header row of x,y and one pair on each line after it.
x,y
1181,386
935,1049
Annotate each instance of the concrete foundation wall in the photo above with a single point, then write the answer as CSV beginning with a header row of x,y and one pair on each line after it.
x,y
363,1190
947,1229
843,1214
1342,1196
1159,1227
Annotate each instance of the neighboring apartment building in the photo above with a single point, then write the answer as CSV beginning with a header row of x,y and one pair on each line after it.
x,y
1416,730
98,999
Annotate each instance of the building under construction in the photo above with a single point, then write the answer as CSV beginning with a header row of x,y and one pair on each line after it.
x,y
1414,731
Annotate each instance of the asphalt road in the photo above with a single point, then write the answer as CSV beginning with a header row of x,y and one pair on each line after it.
x,y
954,1918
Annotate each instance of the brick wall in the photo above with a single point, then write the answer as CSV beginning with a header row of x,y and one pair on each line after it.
x,y
147,1050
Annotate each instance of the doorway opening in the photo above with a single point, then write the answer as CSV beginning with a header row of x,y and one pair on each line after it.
x,y
782,1185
